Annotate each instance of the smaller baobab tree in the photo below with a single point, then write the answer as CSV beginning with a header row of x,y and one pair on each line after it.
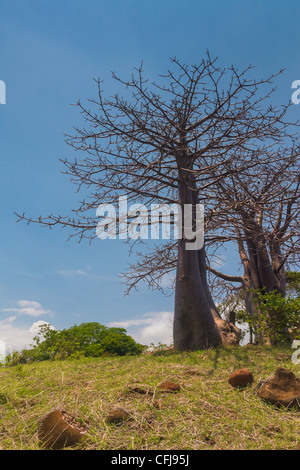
x,y
260,213
170,142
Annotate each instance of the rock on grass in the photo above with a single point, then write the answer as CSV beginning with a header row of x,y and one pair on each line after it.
x,y
59,429
170,387
282,389
141,389
117,415
240,378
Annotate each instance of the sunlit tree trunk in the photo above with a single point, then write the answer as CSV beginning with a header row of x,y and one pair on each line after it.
x,y
194,325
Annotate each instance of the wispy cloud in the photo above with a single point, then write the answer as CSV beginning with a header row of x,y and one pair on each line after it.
x,y
81,273
28,307
72,272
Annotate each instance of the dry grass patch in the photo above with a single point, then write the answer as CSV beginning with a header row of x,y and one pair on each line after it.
x,y
206,413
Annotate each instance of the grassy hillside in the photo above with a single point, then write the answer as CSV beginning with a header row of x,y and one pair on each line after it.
x,y
207,413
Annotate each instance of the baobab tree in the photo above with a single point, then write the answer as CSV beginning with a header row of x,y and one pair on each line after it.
x,y
170,142
260,212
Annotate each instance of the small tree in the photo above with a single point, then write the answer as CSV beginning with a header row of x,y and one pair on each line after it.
x,y
85,340
259,212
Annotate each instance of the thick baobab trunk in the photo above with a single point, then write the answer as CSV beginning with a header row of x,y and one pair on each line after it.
x,y
278,267
194,325
254,285
230,333
197,323
266,272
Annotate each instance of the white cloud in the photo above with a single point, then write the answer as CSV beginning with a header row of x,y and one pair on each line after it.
x,y
15,337
28,307
131,323
35,327
11,319
152,327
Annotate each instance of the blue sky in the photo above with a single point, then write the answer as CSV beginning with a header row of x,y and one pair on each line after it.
x,y
49,54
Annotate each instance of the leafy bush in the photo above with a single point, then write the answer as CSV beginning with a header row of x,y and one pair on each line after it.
x,y
120,345
85,340
275,317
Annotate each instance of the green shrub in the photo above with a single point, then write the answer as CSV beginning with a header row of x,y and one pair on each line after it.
x,y
120,345
275,317
85,340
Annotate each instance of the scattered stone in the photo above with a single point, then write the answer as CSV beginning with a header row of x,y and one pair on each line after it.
x,y
117,415
240,378
170,387
141,389
282,389
59,429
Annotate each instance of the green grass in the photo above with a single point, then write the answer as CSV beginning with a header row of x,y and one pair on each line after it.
x,y
207,413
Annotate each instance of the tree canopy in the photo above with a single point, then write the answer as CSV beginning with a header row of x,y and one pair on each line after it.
x,y
200,134
84,340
